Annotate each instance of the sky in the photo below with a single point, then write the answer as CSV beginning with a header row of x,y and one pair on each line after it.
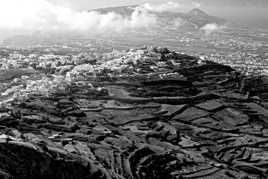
x,y
92,4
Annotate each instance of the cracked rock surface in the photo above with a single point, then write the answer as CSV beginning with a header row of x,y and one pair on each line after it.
x,y
168,117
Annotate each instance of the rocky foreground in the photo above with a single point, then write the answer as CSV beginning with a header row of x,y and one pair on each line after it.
x,y
151,113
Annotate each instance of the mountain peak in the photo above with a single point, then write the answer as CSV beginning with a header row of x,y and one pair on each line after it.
x,y
197,12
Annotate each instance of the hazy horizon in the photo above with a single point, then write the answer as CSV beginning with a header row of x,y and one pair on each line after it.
x,y
91,4
20,17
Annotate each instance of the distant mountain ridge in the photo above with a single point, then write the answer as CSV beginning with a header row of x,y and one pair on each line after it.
x,y
195,17
169,23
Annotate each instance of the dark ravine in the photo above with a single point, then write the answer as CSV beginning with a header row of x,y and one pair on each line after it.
x,y
213,124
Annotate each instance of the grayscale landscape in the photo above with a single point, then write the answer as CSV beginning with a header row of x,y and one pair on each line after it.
x,y
133,89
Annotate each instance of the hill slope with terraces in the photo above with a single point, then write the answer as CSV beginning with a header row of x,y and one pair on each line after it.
x,y
142,113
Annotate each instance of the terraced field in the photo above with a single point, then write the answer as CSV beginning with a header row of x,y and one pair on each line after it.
x,y
175,116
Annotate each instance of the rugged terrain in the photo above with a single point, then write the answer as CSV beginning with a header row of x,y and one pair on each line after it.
x,y
144,113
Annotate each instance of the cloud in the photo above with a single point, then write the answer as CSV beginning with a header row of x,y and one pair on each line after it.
x,y
170,6
210,28
179,5
23,17
28,16
196,4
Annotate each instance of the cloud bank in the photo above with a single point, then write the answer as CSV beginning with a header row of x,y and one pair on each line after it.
x,y
24,17
179,6
28,16
210,28
170,6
